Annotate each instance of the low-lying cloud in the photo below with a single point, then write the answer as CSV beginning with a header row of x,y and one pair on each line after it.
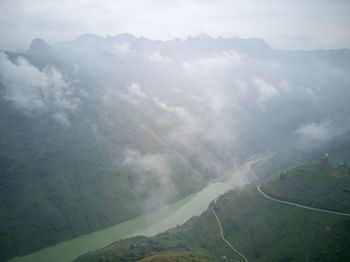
x,y
135,89
314,135
179,111
213,64
152,171
316,131
34,91
156,57
266,91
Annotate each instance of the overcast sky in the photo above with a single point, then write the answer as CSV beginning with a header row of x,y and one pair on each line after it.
x,y
287,24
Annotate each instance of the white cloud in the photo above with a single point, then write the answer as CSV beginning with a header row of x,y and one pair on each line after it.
x,y
155,163
241,85
286,87
156,57
183,127
312,95
313,135
63,119
216,104
122,48
34,91
178,90
213,64
197,99
266,91
152,170
23,84
179,111
316,131
135,89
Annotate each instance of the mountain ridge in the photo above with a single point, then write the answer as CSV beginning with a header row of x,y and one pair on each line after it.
x,y
102,121
126,37
272,232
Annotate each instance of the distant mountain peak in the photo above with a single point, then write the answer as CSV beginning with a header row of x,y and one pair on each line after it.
x,y
125,37
88,36
204,35
200,37
40,47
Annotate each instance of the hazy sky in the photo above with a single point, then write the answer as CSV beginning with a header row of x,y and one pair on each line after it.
x,y
297,24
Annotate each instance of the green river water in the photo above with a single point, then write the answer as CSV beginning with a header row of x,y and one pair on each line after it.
x,y
147,225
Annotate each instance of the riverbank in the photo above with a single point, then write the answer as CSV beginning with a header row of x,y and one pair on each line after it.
x,y
147,225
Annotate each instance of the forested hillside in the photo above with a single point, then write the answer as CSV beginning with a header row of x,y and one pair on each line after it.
x,y
261,229
98,130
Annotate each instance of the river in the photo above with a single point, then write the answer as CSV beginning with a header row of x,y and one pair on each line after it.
x,y
147,225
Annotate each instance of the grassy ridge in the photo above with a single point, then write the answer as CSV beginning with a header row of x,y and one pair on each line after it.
x,y
173,258
57,183
331,191
261,229
268,231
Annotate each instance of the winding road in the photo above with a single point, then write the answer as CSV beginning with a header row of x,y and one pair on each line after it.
x,y
245,170
258,187
223,238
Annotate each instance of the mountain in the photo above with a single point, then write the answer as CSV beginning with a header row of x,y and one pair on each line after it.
x,y
96,131
261,229
40,47
72,163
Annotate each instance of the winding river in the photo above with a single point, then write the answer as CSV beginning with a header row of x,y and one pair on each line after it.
x,y
147,225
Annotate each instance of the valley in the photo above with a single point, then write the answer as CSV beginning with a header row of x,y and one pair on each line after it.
x,y
147,225
105,138
256,227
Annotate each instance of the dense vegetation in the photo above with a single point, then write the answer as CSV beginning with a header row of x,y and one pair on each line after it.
x,y
331,191
58,183
261,229
95,131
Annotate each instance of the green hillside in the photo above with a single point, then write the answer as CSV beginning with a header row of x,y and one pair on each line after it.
x,y
59,182
261,229
322,187
97,131
338,150
173,258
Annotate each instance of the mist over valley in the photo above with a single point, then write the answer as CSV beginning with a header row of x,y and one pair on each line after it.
x,y
127,135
